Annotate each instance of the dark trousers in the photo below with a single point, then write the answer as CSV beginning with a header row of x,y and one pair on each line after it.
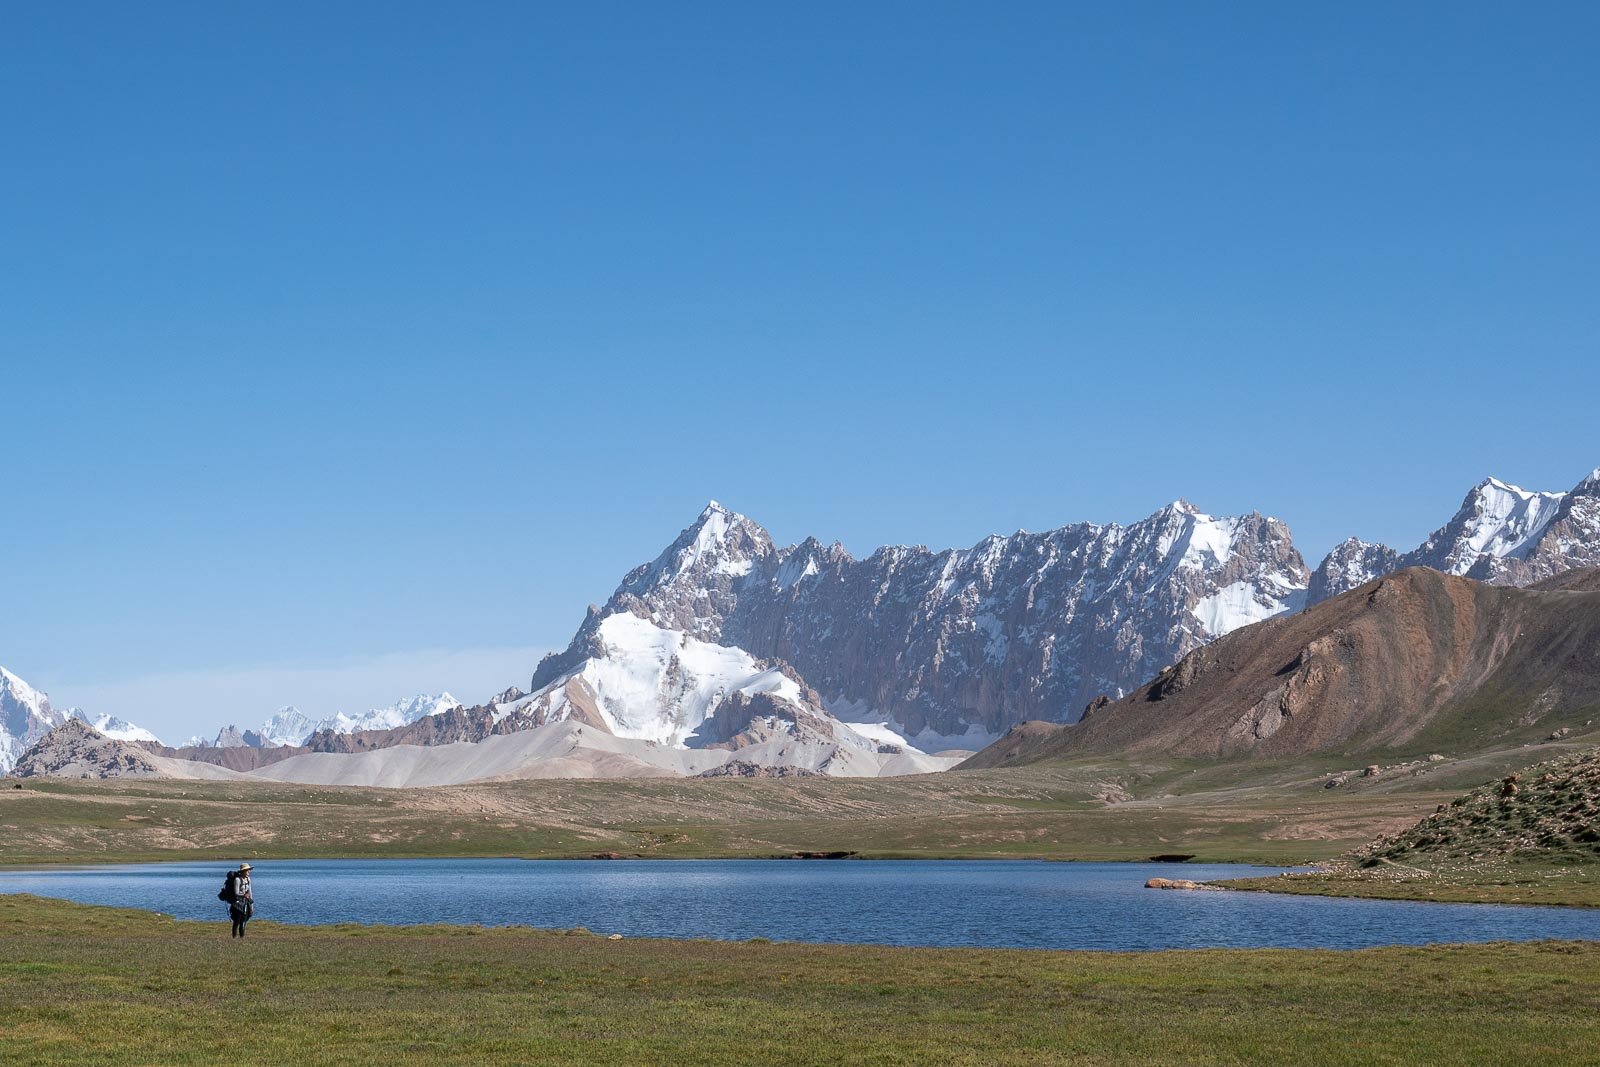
x,y
240,914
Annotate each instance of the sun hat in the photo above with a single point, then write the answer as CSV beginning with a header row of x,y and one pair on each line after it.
x,y
246,867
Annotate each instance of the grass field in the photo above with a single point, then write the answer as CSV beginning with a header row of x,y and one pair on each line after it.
x,y
1049,812
82,985
1491,883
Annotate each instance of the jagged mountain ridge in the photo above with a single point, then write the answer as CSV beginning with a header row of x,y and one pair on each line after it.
x,y
949,647
292,728
962,643
1502,534
956,646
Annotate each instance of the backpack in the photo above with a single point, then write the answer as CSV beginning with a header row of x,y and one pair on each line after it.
x,y
228,893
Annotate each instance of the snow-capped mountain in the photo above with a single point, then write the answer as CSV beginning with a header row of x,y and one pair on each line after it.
x,y
400,713
1501,534
647,682
807,659
642,682
113,727
952,647
289,726
25,716
1352,562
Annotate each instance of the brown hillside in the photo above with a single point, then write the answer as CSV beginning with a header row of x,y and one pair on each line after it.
x,y
1415,661
1584,580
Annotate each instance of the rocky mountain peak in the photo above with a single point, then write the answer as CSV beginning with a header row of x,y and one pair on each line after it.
x,y
693,583
113,727
1352,562
1501,533
23,707
1496,520
952,646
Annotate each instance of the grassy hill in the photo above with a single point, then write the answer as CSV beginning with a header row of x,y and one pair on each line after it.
x,y
1549,813
1530,837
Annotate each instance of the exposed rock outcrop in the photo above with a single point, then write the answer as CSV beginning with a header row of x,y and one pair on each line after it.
x,y
75,750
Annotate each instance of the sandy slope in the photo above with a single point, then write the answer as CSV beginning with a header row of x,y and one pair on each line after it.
x,y
573,750
559,750
169,767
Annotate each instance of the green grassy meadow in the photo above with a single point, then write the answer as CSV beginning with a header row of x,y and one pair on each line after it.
x,y
84,985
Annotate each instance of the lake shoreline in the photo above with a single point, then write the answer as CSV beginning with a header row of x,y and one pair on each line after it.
x,y
1576,892
926,903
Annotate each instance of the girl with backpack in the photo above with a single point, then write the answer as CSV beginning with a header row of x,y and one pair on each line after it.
x,y
241,903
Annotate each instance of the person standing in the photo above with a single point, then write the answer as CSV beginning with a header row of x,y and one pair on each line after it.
x,y
241,902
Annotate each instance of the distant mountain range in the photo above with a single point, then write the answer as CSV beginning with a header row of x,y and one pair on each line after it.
x,y
26,715
291,727
806,655
948,649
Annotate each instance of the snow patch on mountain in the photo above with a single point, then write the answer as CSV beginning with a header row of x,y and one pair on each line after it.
x,y
1498,520
401,713
289,726
1502,533
654,684
1244,603
1200,543
113,727
25,717
18,697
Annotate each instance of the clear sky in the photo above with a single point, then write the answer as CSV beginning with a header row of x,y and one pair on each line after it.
x,y
349,350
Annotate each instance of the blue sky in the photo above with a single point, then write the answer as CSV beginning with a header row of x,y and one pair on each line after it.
x,y
351,350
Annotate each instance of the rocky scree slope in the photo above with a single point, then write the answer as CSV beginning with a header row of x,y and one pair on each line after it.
x,y
1416,661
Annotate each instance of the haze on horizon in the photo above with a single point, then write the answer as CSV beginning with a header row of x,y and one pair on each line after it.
x,y
350,353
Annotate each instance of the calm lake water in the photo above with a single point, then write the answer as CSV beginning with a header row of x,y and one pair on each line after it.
x,y
1014,904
